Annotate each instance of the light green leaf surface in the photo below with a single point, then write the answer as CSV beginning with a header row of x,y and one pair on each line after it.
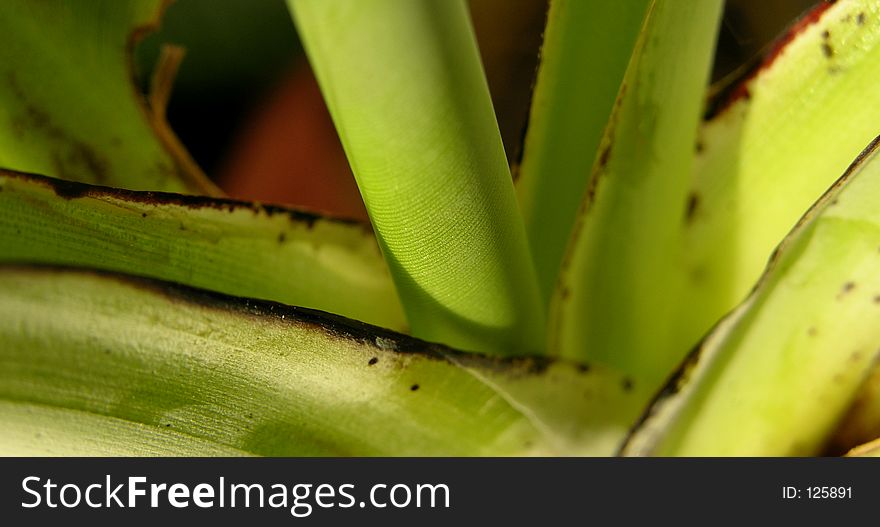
x,y
69,106
796,126
106,364
620,283
227,246
777,375
587,46
404,84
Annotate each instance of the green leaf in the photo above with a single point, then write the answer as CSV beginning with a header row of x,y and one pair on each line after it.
x,y
587,46
780,142
227,246
93,363
69,106
403,82
620,283
777,375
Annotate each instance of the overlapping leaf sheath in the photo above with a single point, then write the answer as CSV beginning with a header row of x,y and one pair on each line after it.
x,y
776,144
777,375
587,46
619,288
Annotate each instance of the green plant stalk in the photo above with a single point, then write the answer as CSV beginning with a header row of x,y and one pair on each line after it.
x,y
227,246
95,364
406,90
619,287
587,46
777,375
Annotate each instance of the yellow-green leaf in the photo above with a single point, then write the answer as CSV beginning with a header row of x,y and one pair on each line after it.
x,y
784,137
778,374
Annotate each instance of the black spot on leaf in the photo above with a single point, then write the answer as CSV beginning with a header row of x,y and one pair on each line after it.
x,y
845,289
605,156
693,202
827,50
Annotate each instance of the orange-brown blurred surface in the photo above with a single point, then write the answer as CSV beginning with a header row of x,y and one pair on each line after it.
x,y
290,153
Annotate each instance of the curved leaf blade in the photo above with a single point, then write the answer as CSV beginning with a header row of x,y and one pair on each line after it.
x,y
181,370
224,245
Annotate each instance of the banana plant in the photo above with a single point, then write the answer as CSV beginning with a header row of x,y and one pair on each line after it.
x,y
666,269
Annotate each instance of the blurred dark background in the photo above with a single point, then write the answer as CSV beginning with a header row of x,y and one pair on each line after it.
x,y
247,107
